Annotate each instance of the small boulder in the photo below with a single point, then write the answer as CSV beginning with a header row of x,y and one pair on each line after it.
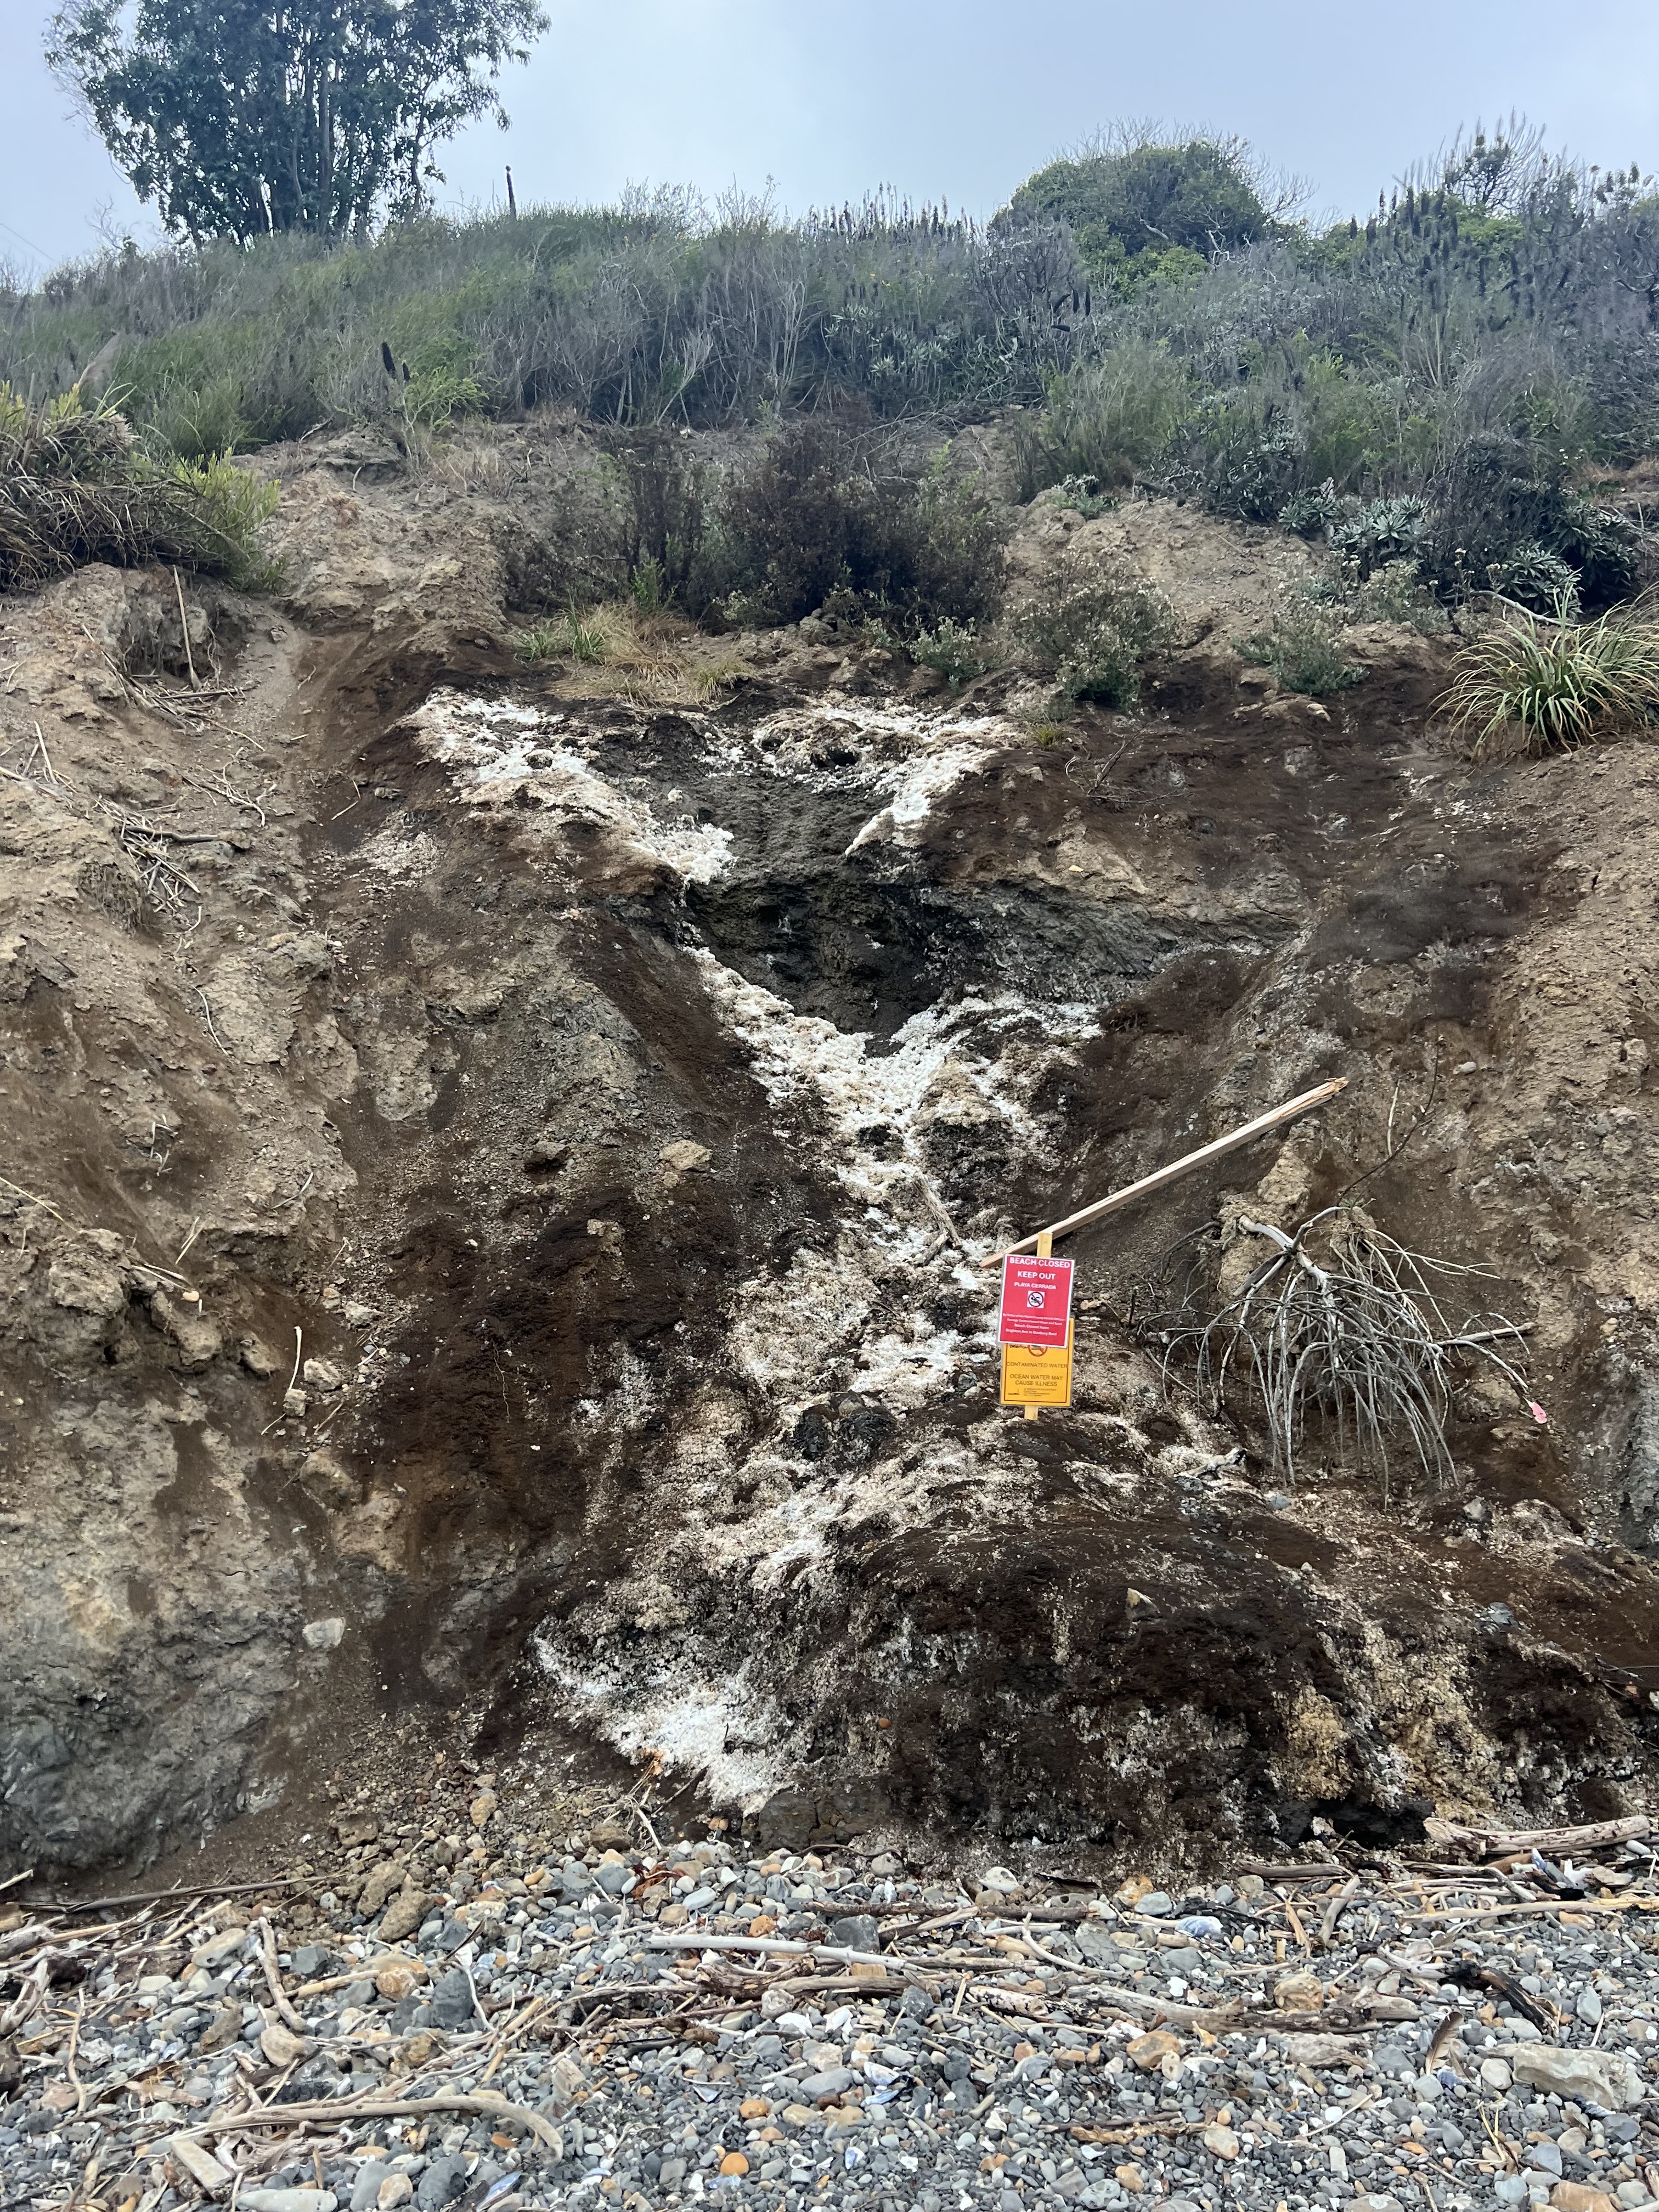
x,y
385,1881
404,1914
1605,2077
257,1356
1150,2051
281,2047
327,1477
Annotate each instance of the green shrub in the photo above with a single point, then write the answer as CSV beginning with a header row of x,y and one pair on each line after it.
x,y
229,507
950,544
1556,684
1392,593
191,422
1601,546
1092,626
1246,457
1303,650
1080,495
437,397
1107,419
1132,195
1310,513
1493,491
672,545
1375,533
1537,579
955,649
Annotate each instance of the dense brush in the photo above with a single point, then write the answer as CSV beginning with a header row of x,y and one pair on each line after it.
x,y
75,487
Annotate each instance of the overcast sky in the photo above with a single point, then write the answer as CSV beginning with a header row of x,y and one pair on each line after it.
x,y
958,98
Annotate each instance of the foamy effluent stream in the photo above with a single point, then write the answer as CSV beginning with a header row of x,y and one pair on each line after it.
x,y
862,1316
871,1104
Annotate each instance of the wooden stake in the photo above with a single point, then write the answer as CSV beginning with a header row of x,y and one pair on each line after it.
x,y
1045,1250
184,625
1042,1241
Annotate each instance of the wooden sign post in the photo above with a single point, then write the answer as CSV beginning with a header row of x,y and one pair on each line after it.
x,y
1028,1378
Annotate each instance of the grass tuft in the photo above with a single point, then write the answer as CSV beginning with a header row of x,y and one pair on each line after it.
x,y
1554,684
651,659
568,636
75,487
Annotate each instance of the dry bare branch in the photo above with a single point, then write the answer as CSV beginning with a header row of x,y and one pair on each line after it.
x,y
1360,1335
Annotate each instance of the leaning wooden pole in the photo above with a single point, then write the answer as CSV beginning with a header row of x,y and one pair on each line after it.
x,y
1177,1168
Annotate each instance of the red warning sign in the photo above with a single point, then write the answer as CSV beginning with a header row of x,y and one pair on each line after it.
x,y
1036,1301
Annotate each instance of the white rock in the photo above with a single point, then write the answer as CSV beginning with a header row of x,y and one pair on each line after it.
x,y
1495,2073
287,2200
1319,2050
685,1157
323,1635
1610,2077
222,1946
199,2163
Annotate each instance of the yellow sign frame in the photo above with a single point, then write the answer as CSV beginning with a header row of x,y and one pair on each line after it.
x,y
1036,1375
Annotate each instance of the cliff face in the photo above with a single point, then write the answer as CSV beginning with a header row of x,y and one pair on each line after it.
x,y
495,1163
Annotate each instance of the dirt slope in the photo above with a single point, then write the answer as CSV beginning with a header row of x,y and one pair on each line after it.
x,y
606,1099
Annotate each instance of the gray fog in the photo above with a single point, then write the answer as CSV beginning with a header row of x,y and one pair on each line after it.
x,y
938,101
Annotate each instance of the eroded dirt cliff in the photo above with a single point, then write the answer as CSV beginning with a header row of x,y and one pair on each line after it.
x,y
496,1163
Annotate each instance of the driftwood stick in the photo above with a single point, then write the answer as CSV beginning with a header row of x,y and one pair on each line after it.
x,y
267,1936
1308,1870
1336,2020
380,2108
779,1945
184,625
1495,1844
161,1896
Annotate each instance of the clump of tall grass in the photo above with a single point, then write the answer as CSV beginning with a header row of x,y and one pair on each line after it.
x,y
587,638
75,487
620,649
1552,684
1107,419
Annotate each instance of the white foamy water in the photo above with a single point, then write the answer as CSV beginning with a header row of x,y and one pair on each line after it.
x,y
500,754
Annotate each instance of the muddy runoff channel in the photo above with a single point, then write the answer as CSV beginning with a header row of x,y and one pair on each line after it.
x,y
700,1055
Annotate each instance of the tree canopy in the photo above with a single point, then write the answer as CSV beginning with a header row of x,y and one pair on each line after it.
x,y
243,117
1141,196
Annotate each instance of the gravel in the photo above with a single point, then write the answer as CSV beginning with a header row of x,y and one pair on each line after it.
x,y
1008,2052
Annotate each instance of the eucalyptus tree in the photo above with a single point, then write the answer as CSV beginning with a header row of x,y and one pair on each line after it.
x,y
239,118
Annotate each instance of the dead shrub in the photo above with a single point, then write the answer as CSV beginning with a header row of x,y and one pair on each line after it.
x,y
817,518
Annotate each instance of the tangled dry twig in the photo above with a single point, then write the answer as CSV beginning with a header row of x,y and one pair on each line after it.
x,y
1359,1336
